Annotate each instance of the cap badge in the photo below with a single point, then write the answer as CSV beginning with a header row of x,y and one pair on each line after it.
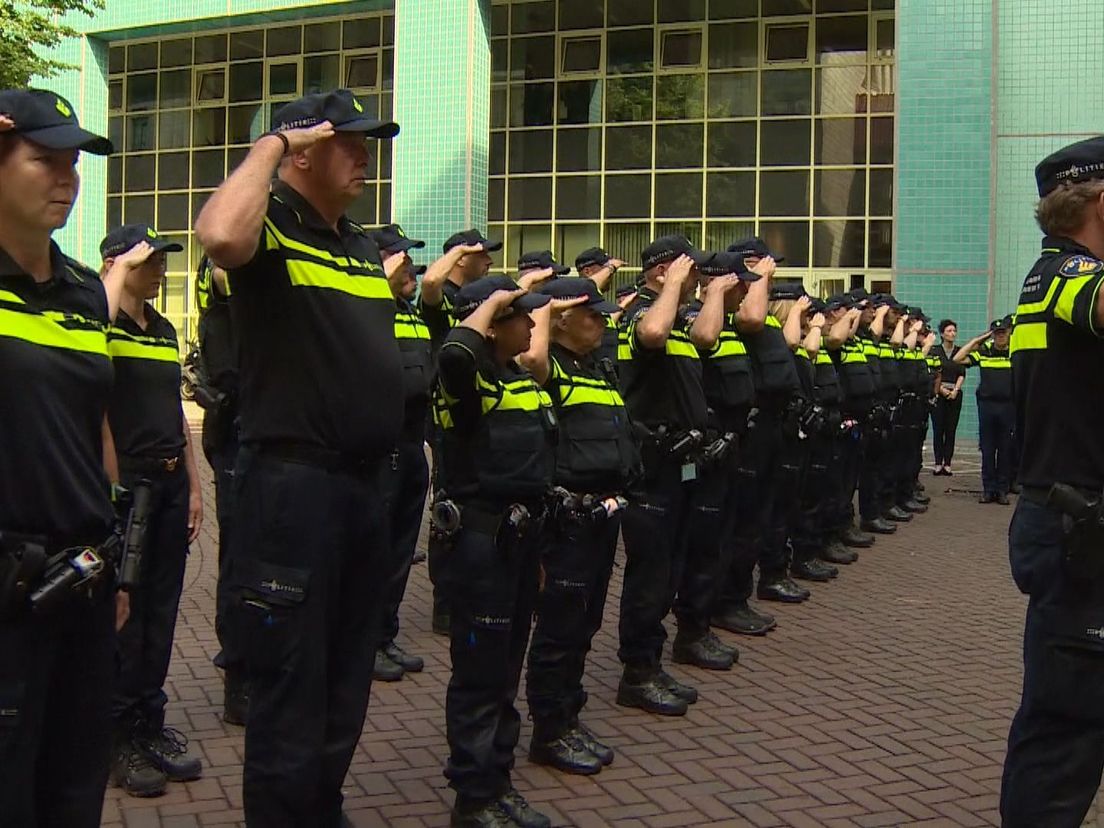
x,y
357,106
151,232
61,107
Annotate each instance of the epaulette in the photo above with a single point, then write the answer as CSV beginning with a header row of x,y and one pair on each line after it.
x,y
1080,265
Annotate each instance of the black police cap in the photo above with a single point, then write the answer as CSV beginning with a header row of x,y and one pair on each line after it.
x,y
470,237
419,270
340,107
725,264
817,305
1003,324
592,256
393,239
541,260
858,295
1074,164
841,301
754,246
668,248
474,294
575,288
50,121
121,239
626,290
787,290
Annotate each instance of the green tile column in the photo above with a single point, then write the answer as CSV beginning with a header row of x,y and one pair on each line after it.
x,y
944,161
442,103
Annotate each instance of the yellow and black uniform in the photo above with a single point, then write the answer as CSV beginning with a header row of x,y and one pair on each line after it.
x,y
147,423
440,319
56,671
596,459
497,437
664,394
996,419
321,408
872,477
857,394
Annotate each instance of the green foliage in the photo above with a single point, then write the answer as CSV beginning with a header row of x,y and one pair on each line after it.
x,y
28,28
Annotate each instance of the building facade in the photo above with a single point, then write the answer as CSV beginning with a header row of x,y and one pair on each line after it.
x,y
871,142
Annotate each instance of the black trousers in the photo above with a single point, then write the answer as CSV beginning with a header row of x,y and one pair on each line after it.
x,y
996,420
577,566
711,548
145,641
406,484
56,681
223,457
944,420
308,546
817,501
745,526
492,590
1056,744
656,531
872,475
851,446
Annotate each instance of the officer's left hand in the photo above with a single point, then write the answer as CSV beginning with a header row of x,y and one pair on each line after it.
x,y
802,304
195,515
534,277
615,264
558,306
122,609
6,123
817,321
916,326
722,284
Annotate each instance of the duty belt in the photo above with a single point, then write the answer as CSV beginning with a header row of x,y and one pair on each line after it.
x,y
148,465
307,454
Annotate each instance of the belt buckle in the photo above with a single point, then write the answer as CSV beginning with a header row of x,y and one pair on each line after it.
x,y
170,464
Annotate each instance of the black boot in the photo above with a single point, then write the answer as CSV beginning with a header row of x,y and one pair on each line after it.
x,y
809,571
897,514
914,506
384,669
855,538
132,770
486,815
568,753
235,698
695,649
920,497
647,693
409,663
836,553
521,812
879,526
718,645
440,620
602,751
743,620
167,749
783,590
682,691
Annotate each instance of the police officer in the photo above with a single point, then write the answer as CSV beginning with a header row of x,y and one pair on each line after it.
x,y
151,443
497,432
409,477
661,382
56,669
996,410
218,396
467,257
877,439
1055,747
599,266
735,300
910,413
596,460
321,408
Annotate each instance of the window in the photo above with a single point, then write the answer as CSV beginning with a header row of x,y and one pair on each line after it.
x,y
630,51
676,11
580,54
579,150
578,197
581,14
680,49
532,58
679,145
625,194
785,143
842,39
680,97
733,45
580,102
362,71
210,85
285,41
531,151
283,80
786,42
629,13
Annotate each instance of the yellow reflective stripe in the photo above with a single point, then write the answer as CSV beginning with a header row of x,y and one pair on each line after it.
x,y
584,395
994,362
129,349
772,321
1042,305
8,296
282,240
410,327
1063,309
852,358
310,274
1029,336
40,329
822,358
680,346
624,353
801,352
730,347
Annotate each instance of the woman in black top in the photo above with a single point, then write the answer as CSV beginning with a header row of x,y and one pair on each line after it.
x,y
948,403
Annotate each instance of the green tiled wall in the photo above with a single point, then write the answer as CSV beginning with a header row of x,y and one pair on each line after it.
x,y
945,51
442,102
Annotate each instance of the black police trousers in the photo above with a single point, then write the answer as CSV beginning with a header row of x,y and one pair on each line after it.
x,y
746,523
1056,744
56,680
709,557
996,420
145,641
222,456
850,448
821,479
873,474
406,484
305,577
577,565
656,531
492,588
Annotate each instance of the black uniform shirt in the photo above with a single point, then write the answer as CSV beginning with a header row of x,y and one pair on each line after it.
x,y
826,384
996,373
775,370
144,412
217,344
889,377
661,386
856,379
439,319
1057,362
315,321
805,371
56,377
729,378
873,355
608,348
415,351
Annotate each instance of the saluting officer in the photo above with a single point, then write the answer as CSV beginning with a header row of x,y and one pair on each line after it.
x,y
599,266
56,670
408,480
596,460
497,433
152,442
996,410
321,409
661,382
219,399
1056,744
876,444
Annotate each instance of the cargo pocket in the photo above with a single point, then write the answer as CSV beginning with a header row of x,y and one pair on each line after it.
x,y
1069,671
12,697
269,606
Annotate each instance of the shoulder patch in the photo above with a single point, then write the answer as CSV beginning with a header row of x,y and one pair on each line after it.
x,y
1081,266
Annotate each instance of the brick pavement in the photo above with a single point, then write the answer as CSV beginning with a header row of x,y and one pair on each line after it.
x,y
885,700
